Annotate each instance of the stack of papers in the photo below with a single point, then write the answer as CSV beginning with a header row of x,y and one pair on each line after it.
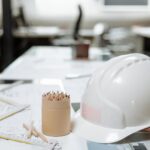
x,y
18,98
9,108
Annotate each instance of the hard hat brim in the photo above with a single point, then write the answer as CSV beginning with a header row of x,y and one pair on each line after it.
x,y
100,134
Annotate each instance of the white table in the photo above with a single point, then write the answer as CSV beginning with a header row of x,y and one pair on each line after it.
x,y
141,31
53,62
38,32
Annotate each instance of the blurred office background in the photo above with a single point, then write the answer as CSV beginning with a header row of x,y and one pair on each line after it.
x,y
117,26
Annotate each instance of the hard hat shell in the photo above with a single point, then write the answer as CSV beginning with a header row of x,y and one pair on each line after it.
x,y
116,102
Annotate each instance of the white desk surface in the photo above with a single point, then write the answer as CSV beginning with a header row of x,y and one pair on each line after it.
x,y
39,31
47,32
53,62
141,31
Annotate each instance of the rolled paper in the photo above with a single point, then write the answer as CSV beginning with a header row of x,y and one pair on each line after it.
x,y
56,114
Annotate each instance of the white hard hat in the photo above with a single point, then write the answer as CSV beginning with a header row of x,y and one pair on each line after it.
x,y
116,102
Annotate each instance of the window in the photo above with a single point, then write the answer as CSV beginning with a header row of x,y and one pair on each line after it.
x,y
126,2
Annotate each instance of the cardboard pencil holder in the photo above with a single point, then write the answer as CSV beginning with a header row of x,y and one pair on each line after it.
x,y
56,114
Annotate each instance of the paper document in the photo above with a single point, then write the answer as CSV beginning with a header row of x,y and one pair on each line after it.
x,y
9,108
16,97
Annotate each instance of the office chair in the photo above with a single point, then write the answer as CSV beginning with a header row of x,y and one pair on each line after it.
x,y
20,19
71,40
